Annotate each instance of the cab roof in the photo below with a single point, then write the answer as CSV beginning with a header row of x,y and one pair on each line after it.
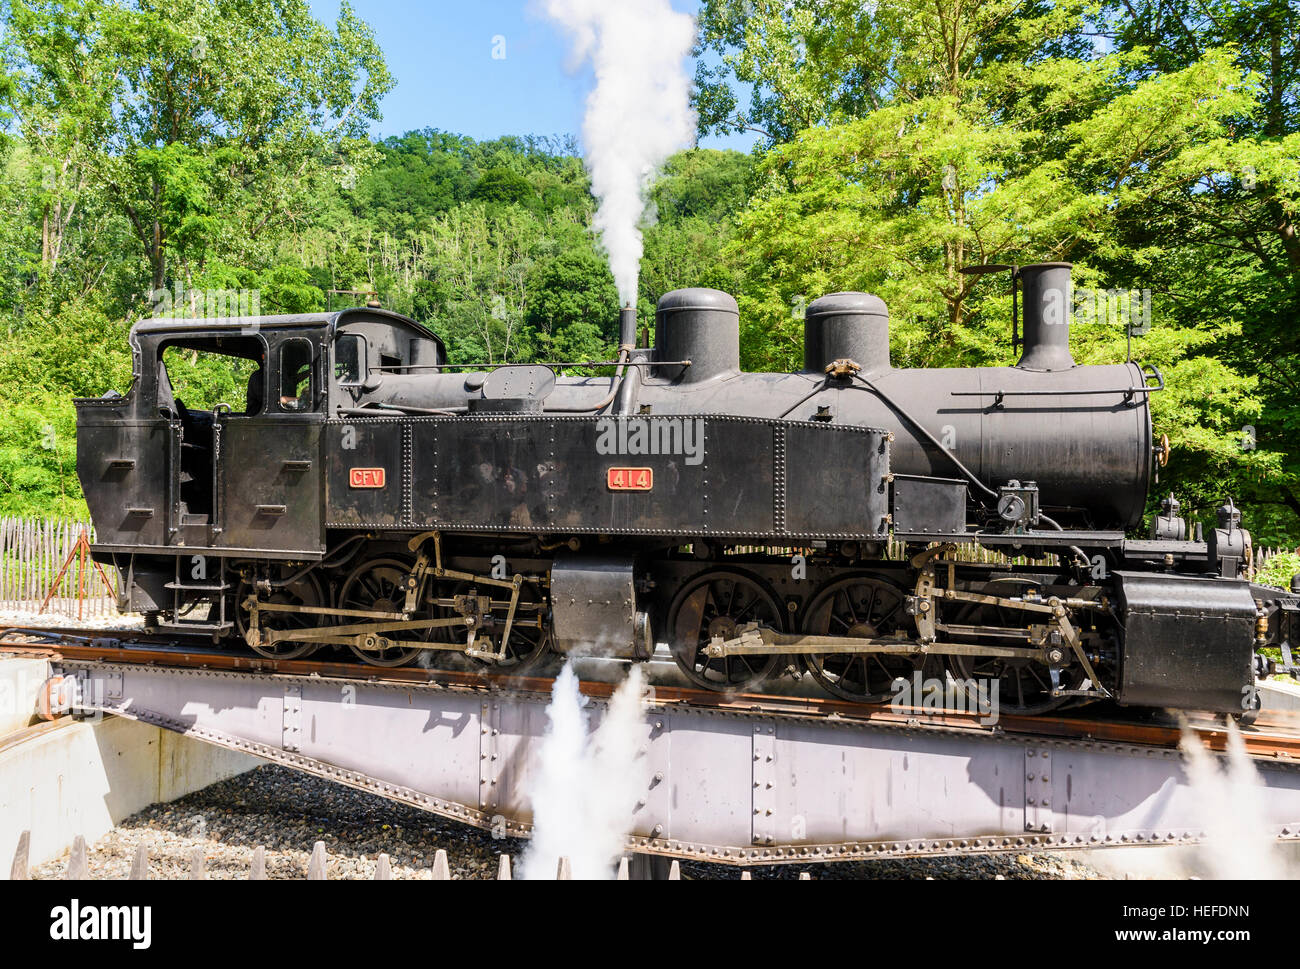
x,y
334,321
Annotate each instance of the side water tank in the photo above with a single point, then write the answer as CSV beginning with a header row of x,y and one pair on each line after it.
x,y
853,326
699,325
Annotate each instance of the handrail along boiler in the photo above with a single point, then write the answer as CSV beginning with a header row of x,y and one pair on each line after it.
x,y
368,496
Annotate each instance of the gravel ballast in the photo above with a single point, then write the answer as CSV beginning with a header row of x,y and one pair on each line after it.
x,y
288,812
60,619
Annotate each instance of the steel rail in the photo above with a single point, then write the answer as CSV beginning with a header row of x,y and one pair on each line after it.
x,y
1275,737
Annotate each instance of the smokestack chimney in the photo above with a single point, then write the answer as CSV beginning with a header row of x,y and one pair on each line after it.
x,y
627,327
1049,300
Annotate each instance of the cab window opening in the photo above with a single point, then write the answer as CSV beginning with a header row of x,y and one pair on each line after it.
x,y
297,392
196,377
350,366
199,375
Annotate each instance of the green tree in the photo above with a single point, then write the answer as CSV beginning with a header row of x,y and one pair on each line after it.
x,y
574,288
479,258
703,184
79,353
208,120
1228,240
987,132
809,64
502,185
417,175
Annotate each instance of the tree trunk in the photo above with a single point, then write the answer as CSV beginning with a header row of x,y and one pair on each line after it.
x,y
158,258
1289,498
1276,68
45,236
1285,227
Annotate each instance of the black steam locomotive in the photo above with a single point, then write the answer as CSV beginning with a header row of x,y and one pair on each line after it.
x,y
366,495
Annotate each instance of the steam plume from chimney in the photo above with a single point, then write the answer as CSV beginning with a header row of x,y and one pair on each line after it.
x,y
637,115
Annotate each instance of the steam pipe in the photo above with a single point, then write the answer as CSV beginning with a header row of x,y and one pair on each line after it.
x,y
629,392
627,328
893,405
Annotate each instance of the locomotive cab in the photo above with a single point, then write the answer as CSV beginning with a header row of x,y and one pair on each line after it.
x,y
238,412
212,455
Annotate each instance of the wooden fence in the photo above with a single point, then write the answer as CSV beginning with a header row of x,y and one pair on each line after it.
x,y
1265,555
33,553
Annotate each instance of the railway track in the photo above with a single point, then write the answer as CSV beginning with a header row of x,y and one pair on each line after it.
x,y
1275,736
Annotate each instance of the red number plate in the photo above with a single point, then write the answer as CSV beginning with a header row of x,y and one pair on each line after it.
x,y
631,479
368,478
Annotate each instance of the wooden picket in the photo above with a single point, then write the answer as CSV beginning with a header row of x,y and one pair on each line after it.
x,y
1265,555
32,554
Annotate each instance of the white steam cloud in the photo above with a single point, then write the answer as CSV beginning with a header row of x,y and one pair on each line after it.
x,y
586,789
637,115
1237,843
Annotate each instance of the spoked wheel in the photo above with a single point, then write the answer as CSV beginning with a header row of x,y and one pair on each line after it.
x,y
380,586
860,607
305,591
1024,685
718,604
530,635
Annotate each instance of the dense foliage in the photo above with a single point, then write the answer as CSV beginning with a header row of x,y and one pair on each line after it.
x,y
158,152
1153,143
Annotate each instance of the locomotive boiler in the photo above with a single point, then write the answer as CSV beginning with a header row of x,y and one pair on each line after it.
x,y
366,495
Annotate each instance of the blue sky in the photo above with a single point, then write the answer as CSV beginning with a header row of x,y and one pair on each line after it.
x,y
440,52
